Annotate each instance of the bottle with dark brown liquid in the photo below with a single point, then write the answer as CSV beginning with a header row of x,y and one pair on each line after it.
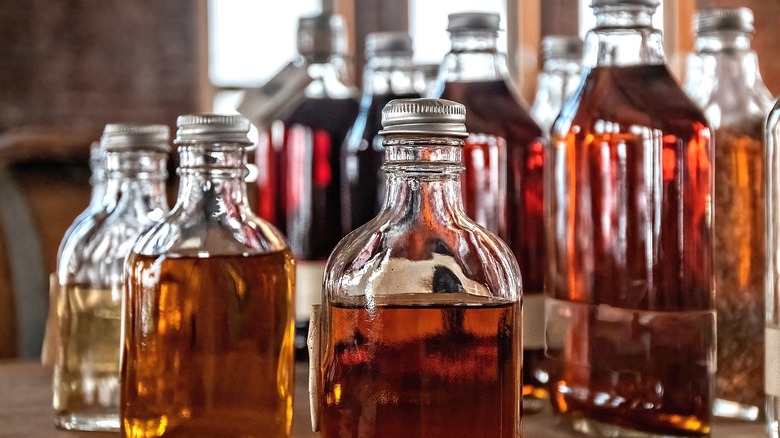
x,y
504,161
631,320
208,320
389,74
421,323
298,159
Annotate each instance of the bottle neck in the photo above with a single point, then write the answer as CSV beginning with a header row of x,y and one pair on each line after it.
x,y
135,178
390,74
725,41
329,76
212,179
623,36
557,81
423,178
474,57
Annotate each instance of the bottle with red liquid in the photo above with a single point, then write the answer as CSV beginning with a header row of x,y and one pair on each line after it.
x,y
504,160
389,74
421,317
631,317
299,174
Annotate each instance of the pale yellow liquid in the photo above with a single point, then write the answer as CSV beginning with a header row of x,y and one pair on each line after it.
x,y
86,377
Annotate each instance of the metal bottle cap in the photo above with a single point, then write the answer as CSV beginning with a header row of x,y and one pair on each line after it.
x,y
119,137
424,117
212,128
322,34
645,3
391,43
462,21
561,47
714,20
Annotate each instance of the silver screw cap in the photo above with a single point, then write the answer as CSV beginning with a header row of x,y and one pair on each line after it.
x,y
465,21
642,3
119,137
322,34
561,47
438,117
212,128
715,20
388,43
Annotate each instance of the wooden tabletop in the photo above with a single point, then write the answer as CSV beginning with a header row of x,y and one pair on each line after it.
x,y
25,410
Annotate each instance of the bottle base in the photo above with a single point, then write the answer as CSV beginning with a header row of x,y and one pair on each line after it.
x,y
598,429
94,422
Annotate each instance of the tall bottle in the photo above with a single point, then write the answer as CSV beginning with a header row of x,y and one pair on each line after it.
x,y
631,319
420,331
561,58
299,174
389,74
723,78
90,274
772,285
504,160
208,324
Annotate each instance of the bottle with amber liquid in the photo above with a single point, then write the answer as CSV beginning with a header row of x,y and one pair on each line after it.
x,y
561,59
90,276
208,321
631,316
420,332
723,78
389,74
504,167
298,159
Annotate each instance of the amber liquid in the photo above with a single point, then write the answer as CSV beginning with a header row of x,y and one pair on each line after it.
x,y
630,257
505,155
416,371
208,347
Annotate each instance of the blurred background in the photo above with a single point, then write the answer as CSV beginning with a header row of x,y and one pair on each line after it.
x,y
69,67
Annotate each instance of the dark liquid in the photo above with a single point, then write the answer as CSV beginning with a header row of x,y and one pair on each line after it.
x,y
362,157
495,116
411,371
208,347
300,174
629,194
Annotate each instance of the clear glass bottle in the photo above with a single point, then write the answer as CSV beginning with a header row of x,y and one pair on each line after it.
x,y
208,324
504,161
631,317
90,274
561,59
772,285
420,330
723,79
389,74
298,159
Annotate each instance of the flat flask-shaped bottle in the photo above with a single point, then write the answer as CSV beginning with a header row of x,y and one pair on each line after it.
x,y
504,168
630,313
208,321
421,323
724,80
298,159
90,276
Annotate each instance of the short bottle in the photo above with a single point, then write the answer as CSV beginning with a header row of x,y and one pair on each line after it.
x,y
420,333
631,317
389,74
298,159
504,169
561,59
724,80
90,276
208,321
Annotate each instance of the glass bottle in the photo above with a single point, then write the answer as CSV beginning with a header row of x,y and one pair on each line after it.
x,y
420,330
298,158
504,160
90,274
772,273
724,80
389,74
631,318
561,58
208,324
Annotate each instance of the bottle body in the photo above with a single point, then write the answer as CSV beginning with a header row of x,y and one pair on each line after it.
x,y
723,79
631,311
208,346
772,287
